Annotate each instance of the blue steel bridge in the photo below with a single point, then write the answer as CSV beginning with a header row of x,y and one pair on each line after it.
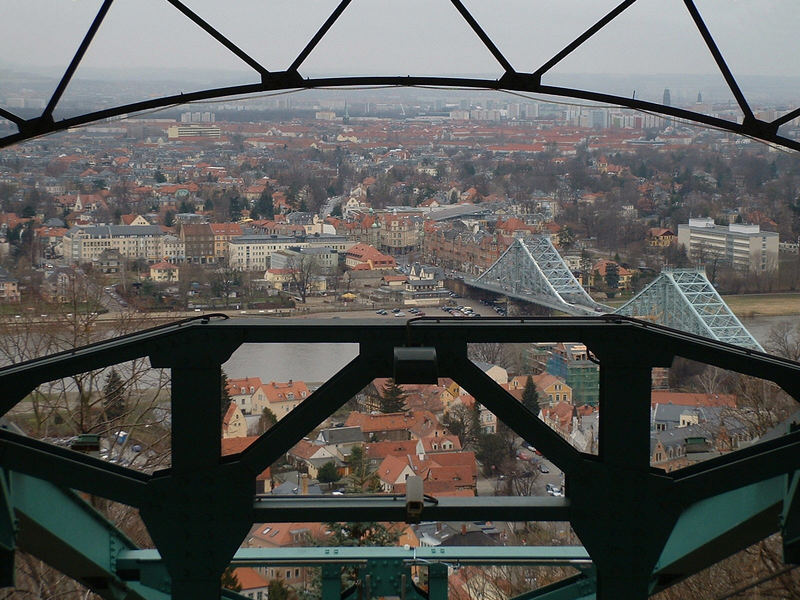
x,y
532,270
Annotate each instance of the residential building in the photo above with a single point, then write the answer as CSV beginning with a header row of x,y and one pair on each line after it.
x,y
164,272
233,423
253,252
281,397
224,233
743,247
550,388
9,287
400,234
245,393
659,237
175,132
86,244
252,584
341,440
198,240
571,363
364,256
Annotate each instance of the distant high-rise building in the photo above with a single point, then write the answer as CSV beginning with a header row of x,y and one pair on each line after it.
x,y
699,97
666,100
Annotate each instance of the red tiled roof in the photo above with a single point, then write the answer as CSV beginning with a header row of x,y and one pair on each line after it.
x,y
249,579
691,399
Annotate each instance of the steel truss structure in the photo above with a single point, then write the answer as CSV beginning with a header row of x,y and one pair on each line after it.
x,y
642,529
685,299
533,270
511,80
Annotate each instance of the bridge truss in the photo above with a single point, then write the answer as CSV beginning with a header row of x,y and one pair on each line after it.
x,y
685,299
512,79
641,529
534,271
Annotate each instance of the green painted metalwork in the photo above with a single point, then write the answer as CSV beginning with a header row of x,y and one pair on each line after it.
x,y
534,271
313,509
685,299
790,520
577,587
62,529
198,511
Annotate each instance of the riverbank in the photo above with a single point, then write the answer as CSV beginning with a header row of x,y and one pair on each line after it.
x,y
764,305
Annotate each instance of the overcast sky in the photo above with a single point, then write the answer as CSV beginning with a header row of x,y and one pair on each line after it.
x,y
405,37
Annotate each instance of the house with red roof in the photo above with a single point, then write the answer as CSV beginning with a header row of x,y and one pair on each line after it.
x,y
164,272
281,397
233,423
691,399
251,583
377,451
247,393
366,256
309,457
287,535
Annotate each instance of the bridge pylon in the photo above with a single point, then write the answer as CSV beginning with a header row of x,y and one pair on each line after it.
x,y
684,299
532,270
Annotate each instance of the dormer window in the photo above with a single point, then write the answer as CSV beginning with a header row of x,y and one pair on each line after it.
x,y
244,390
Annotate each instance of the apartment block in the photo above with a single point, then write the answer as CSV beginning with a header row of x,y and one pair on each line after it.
x,y
743,247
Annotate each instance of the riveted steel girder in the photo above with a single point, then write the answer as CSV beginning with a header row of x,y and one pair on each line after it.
x,y
199,510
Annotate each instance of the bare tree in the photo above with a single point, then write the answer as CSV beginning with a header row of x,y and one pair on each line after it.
x,y
784,340
303,272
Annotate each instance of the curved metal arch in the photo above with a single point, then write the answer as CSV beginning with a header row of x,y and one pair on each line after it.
x,y
512,80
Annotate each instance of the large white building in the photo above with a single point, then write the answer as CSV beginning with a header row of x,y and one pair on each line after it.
x,y
85,244
744,247
253,252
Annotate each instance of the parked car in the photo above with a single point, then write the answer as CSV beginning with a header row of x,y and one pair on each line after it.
x,y
543,468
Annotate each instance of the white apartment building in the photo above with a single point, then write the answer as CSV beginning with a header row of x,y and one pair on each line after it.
x,y
744,247
253,252
85,244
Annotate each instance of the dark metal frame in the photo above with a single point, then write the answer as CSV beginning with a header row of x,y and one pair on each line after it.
x,y
511,80
644,529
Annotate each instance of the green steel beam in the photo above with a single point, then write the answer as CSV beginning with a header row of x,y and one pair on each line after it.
x,y
509,410
738,469
224,336
72,469
576,556
578,587
721,519
315,509
60,528
790,519
199,511
8,532
321,404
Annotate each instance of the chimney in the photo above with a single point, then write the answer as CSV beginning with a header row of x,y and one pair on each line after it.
x,y
304,484
290,382
463,529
